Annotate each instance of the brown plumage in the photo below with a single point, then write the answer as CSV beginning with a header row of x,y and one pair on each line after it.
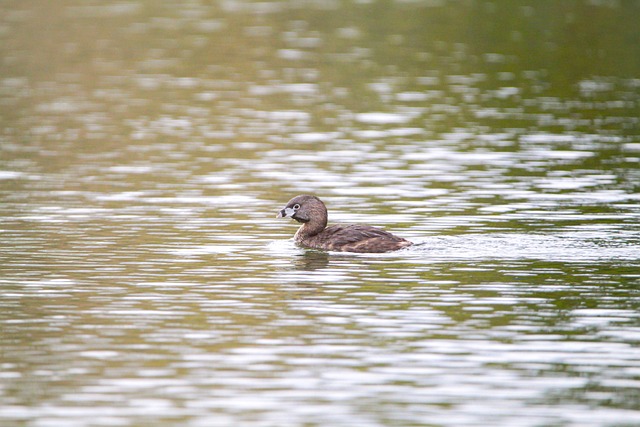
x,y
314,233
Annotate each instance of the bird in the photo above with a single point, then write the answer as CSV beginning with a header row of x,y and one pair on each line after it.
x,y
314,233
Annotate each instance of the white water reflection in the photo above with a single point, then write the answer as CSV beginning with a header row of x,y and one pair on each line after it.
x,y
571,247
146,150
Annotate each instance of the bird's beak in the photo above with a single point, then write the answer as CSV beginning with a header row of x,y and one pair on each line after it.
x,y
286,213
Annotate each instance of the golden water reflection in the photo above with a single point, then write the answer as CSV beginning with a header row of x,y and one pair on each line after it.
x,y
145,148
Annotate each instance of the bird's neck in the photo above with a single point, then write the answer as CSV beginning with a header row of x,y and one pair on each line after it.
x,y
311,228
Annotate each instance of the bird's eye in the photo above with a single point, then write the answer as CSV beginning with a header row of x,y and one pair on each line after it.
x,y
296,207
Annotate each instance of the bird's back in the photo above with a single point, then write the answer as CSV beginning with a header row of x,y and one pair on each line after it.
x,y
355,238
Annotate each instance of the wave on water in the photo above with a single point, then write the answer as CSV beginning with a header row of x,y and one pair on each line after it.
x,y
561,248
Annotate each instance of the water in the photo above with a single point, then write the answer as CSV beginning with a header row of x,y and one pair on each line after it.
x,y
146,148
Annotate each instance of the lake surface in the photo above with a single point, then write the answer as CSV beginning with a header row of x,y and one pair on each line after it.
x,y
146,147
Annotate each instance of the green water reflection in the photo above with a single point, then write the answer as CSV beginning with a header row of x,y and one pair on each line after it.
x,y
146,146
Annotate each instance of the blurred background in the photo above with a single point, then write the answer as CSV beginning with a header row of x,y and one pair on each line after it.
x,y
146,147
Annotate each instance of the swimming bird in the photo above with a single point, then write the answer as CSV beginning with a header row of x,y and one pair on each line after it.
x,y
314,233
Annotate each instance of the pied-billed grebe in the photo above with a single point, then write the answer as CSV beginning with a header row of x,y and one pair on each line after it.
x,y
314,233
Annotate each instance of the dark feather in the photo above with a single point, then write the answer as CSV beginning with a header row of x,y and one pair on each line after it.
x,y
314,232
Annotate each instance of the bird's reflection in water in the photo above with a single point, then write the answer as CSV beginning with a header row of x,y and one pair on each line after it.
x,y
311,260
